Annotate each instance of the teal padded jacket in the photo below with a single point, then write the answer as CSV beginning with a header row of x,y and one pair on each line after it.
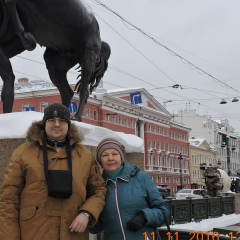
x,y
132,192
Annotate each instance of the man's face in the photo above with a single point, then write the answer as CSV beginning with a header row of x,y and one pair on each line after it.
x,y
56,128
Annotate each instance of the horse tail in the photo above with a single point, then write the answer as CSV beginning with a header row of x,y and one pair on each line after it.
x,y
101,65
6,17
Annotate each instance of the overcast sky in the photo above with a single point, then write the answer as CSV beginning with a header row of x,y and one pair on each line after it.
x,y
203,32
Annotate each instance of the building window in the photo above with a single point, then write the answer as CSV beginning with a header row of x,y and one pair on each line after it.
x,y
159,160
87,113
149,128
24,106
43,106
158,131
154,144
154,129
125,122
113,119
150,159
131,123
95,116
107,117
120,120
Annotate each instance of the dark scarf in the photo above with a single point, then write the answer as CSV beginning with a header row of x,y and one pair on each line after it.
x,y
54,143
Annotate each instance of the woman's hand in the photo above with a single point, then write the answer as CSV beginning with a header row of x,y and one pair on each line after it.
x,y
80,223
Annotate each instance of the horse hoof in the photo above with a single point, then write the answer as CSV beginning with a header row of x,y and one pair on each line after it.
x,y
28,41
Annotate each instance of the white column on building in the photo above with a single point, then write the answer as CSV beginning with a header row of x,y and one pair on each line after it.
x,y
142,129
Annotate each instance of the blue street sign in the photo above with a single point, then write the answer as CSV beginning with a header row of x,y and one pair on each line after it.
x,y
136,98
30,109
73,107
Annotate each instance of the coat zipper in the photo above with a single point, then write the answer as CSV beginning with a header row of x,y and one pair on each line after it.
x,y
124,237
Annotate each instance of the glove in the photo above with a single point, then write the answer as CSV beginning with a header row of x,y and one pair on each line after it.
x,y
136,223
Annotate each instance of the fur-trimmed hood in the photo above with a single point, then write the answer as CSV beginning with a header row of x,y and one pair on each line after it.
x,y
36,130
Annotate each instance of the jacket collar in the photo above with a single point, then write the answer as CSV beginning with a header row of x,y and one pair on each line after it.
x,y
127,172
36,130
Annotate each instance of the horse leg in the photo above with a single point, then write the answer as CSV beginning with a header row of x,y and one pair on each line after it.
x,y
6,73
27,38
58,67
88,65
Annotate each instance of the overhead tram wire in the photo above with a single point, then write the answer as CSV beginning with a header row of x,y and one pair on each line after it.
x,y
156,87
213,109
110,66
32,76
117,69
123,72
128,74
193,66
190,100
226,70
137,50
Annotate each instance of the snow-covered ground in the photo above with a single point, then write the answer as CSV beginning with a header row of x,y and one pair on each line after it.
x,y
209,224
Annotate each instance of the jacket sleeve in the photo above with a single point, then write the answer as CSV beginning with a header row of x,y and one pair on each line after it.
x,y
156,204
96,193
13,182
97,228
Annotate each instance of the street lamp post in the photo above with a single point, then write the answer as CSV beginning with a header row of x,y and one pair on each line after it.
x,y
226,143
180,163
164,103
228,157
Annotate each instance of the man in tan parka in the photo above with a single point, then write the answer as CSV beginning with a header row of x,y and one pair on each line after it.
x,y
52,188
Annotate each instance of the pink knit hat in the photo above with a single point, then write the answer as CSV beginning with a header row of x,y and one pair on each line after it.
x,y
107,144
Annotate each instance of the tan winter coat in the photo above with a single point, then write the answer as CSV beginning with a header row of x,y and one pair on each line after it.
x,y
26,211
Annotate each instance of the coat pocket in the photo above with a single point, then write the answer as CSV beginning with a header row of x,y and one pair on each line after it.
x,y
27,213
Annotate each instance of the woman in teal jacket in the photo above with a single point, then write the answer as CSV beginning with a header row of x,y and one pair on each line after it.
x,y
133,204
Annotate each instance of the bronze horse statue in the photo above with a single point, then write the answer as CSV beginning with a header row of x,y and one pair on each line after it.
x,y
70,33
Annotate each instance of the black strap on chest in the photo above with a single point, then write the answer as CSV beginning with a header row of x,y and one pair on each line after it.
x,y
45,155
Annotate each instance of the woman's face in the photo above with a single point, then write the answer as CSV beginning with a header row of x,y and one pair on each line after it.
x,y
111,160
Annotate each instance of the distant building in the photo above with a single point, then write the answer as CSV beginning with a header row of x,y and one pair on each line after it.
x,y
200,152
213,131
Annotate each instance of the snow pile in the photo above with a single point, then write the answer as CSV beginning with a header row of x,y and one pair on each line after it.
x,y
15,125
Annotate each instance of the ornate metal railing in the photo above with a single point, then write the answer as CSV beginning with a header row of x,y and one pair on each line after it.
x,y
188,210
